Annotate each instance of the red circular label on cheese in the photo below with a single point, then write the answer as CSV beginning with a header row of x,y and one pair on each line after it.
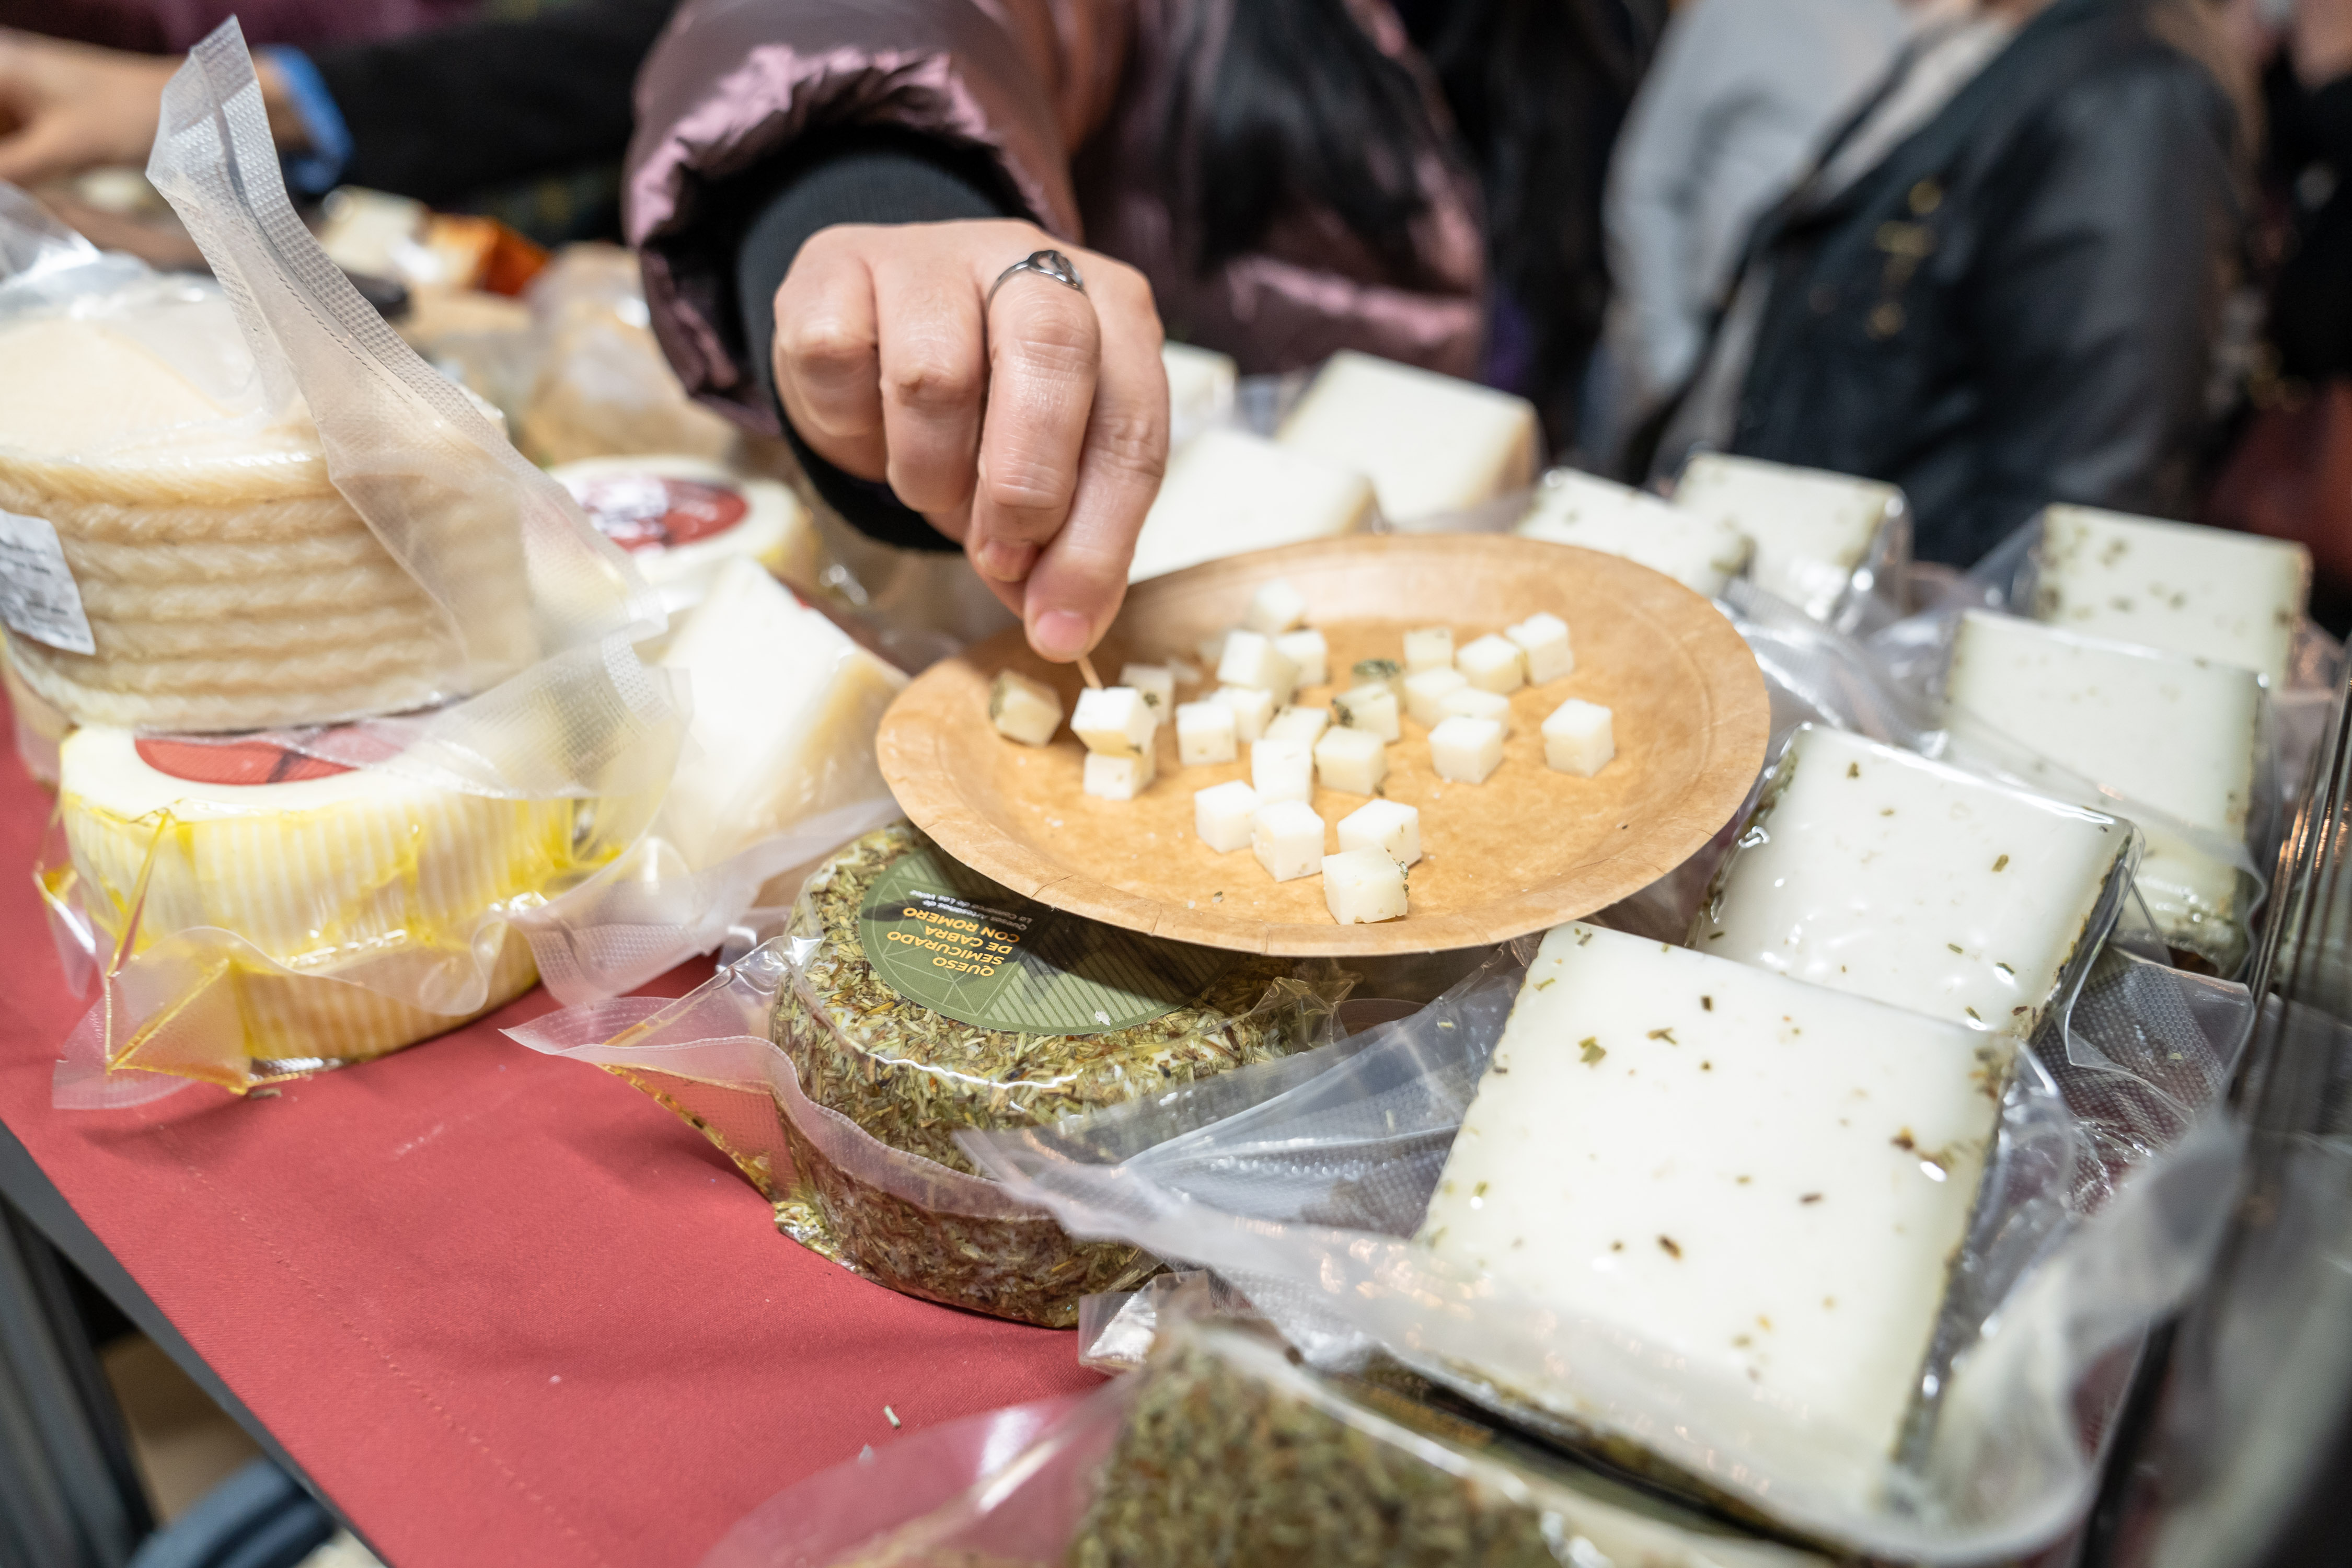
x,y
653,511
256,760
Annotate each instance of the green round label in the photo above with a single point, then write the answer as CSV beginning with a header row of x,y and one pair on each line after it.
x,y
946,938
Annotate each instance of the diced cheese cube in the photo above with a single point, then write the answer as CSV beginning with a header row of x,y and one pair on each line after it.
x,y
1283,770
1812,530
1251,659
1353,760
1472,704
1120,778
1115,721
1156,682
1425,691
1362,886
2208,593
1277,607
1024,710
1302,725
1309,652
1390,827
1464,750
1212,649
1222,814
1873,870
1369,708
1228,492
1205,733
1428,647
1493,664
1699,552
1578,738
1430,443
1761,1179
1385,672
1286,837
1253,709
1542,640
1201,386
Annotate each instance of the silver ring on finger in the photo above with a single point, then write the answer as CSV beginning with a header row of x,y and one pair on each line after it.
x,y
1050,264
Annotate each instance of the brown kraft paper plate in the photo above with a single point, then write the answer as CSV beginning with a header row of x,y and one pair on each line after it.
x,y
1522,852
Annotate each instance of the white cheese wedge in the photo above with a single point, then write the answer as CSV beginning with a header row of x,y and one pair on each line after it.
x,y
1371,707
1873,870
1277,607
2208,593
1472,704
1286,837
1120,778
2175,733
1200,387
1221,815
1024,710
1542,640
1465,751
1428,648
1253,709
678,517
1364,887
1813,530
1353,761
1425,692
764,753
1251,659
1492,663
1304,725
1390,827
1430,443
1580,738
1765,1179
1115,721
1205,734
1282,770
1309,652
1228,492
1573,508
1156,682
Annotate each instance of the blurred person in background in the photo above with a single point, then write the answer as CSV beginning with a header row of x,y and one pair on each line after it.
x,y
2002,285
173,26
826,193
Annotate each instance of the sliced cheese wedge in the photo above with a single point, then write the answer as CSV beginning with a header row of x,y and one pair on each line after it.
x,y
1430,443
679,517
1813,530
2236,598
1230,492
1200,387
1870,869
1573,508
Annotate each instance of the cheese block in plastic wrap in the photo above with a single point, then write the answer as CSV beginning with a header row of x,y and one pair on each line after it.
x,y
1573,508
1813,530
1430,443
338,885
1229,492
2208,593
1873,870
40,726
1201,385
221,579
681,517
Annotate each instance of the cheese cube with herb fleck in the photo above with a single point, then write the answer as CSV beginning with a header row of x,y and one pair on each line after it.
x,y
1465,751
1425,691
1304,725
1283,770
1352,761
1873,870
1309,652
1253,709
2209,593
1115,721
1765,1178
1275,608
1580,738
1493,664
1286,837
1251,659
1385,672
1369,708
1156,682
1470,702
1430,647
1024,710
1364,887
1221,815
1205,733
1542,640
1390,827
1120,778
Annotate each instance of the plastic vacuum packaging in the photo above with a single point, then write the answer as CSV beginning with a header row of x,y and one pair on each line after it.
x,y
681,517
1833,545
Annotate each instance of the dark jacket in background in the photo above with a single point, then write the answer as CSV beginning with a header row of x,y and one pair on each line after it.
x,y
2310,159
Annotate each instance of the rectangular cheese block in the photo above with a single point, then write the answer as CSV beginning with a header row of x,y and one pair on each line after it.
x,y
1812,530
1430,443
1767,1178
2209,593
1200,387
2175,733
1573,508
1229,492
1873,870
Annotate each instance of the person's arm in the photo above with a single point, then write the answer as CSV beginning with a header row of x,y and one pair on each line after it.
x,y
1647,205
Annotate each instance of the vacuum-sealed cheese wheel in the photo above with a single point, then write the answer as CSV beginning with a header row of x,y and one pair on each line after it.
x,y
682,518
352,884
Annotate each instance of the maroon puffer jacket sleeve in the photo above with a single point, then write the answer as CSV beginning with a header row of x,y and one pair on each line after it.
x,y
732,82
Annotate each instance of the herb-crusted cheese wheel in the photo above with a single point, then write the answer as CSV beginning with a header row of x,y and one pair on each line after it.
x,y
682,518
226,583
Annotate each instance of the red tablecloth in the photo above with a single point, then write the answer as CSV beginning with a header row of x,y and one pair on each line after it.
x,y
503,1308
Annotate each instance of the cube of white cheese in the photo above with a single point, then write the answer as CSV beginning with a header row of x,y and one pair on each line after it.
x,y
1812,530
1699,552
1425,692
1364,887
1309,653
1221,815
1870,869
1253,709
2208,593
1277,607
1493,664
1353,760
1118,778
1024,710
1205,733
1283,770
1472,704
1228,492
1390,827
1115,721
1578,738
1286,837
1428,648
2172,732
1430,443
1542,640
1371,708
1251,659
1156,682
1465,751
1304,725
1763,1179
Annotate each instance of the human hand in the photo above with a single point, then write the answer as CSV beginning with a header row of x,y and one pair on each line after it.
x,y
2321,42
1035,437
66,108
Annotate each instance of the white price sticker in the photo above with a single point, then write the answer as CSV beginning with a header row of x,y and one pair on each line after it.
x,y
37,597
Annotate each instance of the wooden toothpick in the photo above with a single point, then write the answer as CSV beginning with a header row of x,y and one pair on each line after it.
x,y
1087,668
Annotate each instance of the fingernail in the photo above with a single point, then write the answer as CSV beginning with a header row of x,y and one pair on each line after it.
x,y
1060,634
1007,560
